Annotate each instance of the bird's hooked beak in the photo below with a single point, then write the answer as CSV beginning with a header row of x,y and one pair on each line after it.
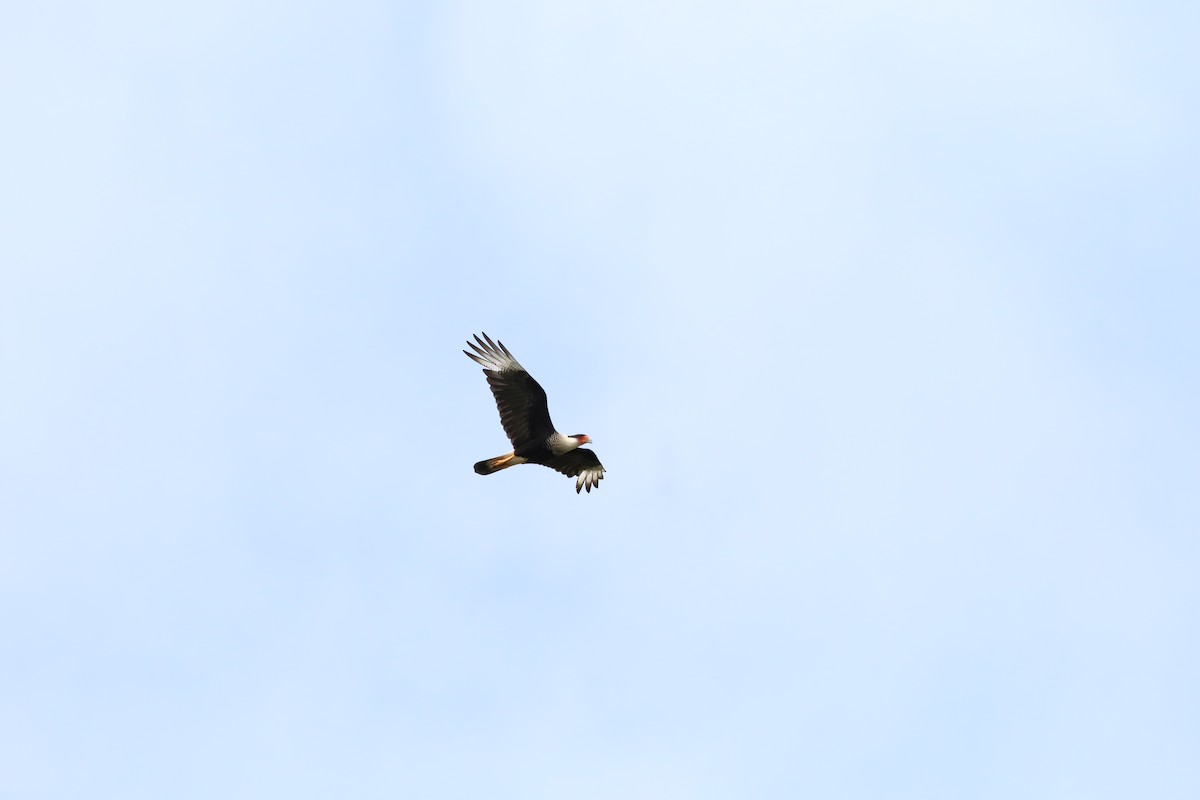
x,y
583,438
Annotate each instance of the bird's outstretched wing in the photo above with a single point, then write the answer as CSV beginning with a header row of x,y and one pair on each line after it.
x,y
580,464
519,398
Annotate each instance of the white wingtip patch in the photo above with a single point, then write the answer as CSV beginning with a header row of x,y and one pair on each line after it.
x,y
589,478
493,355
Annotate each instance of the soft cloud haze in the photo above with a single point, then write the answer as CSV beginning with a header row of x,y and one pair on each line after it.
x,y
883,317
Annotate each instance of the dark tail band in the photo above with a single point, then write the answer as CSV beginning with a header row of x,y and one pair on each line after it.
x,y
490,465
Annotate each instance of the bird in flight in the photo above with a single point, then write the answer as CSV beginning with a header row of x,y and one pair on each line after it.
x,y
526,421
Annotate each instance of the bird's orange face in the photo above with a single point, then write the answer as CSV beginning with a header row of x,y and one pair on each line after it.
x,y
582,437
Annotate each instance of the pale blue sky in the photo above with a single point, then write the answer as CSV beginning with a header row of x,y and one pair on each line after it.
x,y
883,317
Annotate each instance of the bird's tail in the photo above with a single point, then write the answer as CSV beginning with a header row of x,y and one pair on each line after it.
x,y
490,465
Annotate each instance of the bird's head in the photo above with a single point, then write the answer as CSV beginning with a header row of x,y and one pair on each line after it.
x,y
581,438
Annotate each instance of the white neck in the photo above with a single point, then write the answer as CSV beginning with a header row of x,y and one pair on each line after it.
x,y
560,444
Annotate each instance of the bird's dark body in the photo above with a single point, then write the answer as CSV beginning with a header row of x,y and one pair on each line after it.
x,y
535,452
